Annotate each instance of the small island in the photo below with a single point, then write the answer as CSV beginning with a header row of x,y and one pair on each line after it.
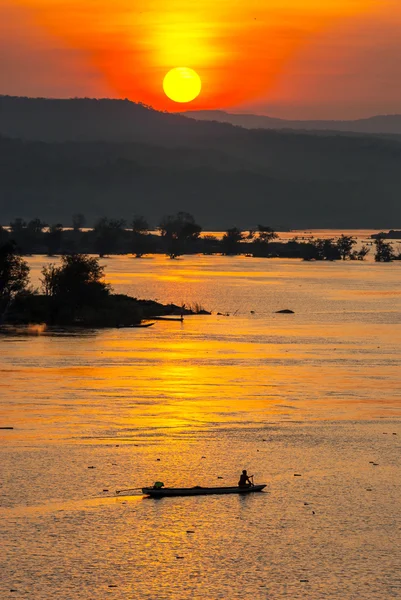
x,y
72,294
393,234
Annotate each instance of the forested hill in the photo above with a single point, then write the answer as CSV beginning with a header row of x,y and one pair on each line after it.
x,y
84,119
117,158
379,124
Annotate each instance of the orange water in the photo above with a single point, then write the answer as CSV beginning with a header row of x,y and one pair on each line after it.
x,y
316,393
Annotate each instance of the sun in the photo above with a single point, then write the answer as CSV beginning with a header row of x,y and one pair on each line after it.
x,y
182,84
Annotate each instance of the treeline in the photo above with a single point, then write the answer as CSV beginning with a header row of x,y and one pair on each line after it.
x,y
176,235
72,292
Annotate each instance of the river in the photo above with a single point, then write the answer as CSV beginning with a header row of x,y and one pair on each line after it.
x,y
316,394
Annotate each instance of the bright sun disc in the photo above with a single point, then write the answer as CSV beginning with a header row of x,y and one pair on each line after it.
x,y
182,84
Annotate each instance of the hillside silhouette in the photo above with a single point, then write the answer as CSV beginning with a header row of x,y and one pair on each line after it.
x,y
379,124
84,119
118,158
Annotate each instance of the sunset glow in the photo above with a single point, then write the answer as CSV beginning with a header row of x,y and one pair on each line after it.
x,y
286,54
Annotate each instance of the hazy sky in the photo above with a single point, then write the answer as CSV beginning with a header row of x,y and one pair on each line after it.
x,y
288,58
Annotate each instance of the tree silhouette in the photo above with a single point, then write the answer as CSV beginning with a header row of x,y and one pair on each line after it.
x,y
231,241
78,281
53,239
140,231
78,221
344,244
108,233
4,235
266,234
14,276
384,251
262,238
28,236
178,231
323,249
361,253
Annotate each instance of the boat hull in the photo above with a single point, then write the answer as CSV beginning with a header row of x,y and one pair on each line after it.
x,y
199,491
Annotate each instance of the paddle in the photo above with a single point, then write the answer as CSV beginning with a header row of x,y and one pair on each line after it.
x,y
128,490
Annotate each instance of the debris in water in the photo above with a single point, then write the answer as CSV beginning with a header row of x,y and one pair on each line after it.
x,y
13,428
304,580
190,531
179,557
297,475
91,467
105,490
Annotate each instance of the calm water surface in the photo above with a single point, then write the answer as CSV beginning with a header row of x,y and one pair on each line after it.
x,y
316,394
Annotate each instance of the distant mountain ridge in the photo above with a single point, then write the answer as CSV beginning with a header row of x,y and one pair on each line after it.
x,y
86,119
390,124
118,158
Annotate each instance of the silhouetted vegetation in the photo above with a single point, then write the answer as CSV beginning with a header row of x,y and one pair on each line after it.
x,y
140,235
78,280
53,239
14,277
344,244
384,251
230,244
78,222
108,232
73,293
177,232
262,239
175,235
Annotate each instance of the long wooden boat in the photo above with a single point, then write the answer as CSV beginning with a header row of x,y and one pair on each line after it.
x,y
167,318
201,491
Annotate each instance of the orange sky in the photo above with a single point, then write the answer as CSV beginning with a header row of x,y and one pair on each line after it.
x,y
290,58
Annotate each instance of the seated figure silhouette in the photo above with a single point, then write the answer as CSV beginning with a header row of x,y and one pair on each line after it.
x,y
244,480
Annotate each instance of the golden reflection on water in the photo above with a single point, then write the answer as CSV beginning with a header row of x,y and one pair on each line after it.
x,y
192,404
338,356
129,381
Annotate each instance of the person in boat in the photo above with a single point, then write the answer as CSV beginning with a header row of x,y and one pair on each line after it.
x,y
244,480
